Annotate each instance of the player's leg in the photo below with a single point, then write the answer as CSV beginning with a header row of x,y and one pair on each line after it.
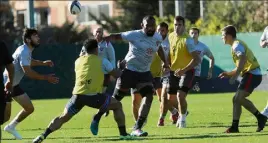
x,y
146,90
23,99
74,105
136,101
265,110
164,106
124,83
119,117
158,87
172,88
248,83
186,82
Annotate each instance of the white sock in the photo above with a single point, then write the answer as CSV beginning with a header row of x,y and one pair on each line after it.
x,y
13,124
174,111
182,117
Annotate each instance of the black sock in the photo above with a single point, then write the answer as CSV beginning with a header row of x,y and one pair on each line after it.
x,y
47,132
122,130
235,124
97,116
139,122
257,114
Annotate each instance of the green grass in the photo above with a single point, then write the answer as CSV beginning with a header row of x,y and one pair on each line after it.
x,y
210,114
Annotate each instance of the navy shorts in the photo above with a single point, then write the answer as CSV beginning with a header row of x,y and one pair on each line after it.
x,y
17,91
249,82
98,101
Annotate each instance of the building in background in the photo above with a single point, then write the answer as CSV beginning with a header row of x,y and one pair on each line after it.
x,y
56,13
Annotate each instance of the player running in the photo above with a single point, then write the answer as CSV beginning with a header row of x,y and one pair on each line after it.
x,y
88,92
143,44
204,51
248,67
22,66
156,71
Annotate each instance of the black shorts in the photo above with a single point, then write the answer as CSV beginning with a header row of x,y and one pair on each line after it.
x,y
183,83
17,91
2,106
77,102
131,79
249,82
156,84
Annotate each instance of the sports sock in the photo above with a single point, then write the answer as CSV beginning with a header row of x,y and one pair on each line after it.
x,y
122,130
47,132
235,124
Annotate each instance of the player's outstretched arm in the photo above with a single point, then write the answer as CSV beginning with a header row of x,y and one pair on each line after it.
x,y
111,54
42,63
113,37
162,56
34,75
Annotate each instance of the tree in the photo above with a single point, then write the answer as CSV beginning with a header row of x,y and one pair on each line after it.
x,y
244,15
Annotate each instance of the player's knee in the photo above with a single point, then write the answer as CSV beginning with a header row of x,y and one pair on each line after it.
x,y
147,91
181,96
119,105
29,109
135,103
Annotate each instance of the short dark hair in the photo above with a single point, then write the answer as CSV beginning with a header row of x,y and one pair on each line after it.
x,y
195,28
180,18
148,17
27,33
90,45
230,30
164,24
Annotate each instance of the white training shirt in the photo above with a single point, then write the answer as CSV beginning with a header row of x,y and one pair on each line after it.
x,y
141,49
22,57
264,35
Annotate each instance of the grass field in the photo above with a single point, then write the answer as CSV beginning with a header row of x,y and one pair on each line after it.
x,y
210,114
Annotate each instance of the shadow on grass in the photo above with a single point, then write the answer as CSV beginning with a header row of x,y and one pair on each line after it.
x,y
157,137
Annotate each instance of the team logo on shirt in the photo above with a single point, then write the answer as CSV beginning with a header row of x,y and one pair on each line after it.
x,y
149,51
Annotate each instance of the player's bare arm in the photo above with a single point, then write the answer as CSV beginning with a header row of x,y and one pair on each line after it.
x,y
42,63
10,72
161,54
34,75
113,37
211,66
